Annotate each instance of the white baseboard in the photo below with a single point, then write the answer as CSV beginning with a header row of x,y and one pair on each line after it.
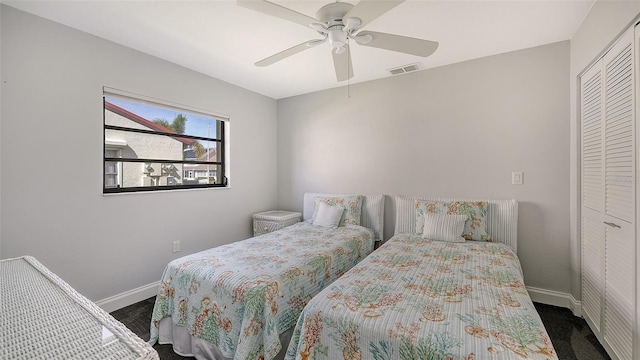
x,y
133,296
127,298
555,298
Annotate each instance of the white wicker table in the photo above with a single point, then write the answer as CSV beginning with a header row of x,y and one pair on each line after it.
x,y
42,317
269,221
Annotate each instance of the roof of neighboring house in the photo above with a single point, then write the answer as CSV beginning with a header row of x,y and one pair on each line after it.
x,y
142,121
209,154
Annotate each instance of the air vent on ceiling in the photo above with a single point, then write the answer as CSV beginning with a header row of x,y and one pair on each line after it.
x,y
404,69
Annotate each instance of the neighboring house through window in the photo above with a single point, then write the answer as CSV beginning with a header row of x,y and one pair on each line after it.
x,y
151,146
112,169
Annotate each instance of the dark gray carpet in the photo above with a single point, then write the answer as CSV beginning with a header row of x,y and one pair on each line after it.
x,y
570,335
137,318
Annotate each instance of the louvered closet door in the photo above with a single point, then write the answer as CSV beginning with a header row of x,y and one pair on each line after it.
x,y
592,196
619,194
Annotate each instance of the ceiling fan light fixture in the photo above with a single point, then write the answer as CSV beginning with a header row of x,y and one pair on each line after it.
x,y
352,24
337,39
312,43
363,39
319,28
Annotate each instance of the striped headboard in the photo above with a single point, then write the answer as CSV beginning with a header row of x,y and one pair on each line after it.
x,y
502,217
372,211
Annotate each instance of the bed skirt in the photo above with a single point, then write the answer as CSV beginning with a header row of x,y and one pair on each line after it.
x,y
186,345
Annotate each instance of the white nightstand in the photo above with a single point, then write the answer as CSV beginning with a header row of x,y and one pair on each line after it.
x,y
268,221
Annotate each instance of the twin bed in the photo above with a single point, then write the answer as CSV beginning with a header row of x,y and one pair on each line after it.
x,y
416,297
241,300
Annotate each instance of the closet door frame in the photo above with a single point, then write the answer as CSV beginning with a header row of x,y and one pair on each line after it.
x,y
636,331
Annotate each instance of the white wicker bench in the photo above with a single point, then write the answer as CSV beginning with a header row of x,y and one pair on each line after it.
x,y
42,317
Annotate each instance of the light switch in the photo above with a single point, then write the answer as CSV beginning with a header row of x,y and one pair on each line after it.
x,y
517,178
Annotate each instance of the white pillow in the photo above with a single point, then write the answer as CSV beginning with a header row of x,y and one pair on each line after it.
x,y
328,215
351,203
444,227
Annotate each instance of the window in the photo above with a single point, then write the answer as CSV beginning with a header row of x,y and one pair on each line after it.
x,y
111,169
153,146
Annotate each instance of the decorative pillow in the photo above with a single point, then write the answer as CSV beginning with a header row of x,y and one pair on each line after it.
x,y
328,215
444,227
352,205
475,228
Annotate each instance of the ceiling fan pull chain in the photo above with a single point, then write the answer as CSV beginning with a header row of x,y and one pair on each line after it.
x,y
348,67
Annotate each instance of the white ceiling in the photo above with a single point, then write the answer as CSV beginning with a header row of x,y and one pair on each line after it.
x,y
223,40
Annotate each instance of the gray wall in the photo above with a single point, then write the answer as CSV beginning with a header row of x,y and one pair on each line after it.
x,y
52,205
604,23
458,131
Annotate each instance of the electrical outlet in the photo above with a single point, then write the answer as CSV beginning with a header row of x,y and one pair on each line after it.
x,y
517,178
176,246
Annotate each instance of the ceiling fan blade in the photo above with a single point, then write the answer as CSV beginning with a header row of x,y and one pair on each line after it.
x,y
285,53
369,10
342,64
276,10
403,44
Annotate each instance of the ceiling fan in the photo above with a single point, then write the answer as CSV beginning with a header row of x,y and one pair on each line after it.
x,y
338,23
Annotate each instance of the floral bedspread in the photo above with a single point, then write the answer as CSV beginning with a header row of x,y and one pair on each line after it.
x,y
241,296
422,299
